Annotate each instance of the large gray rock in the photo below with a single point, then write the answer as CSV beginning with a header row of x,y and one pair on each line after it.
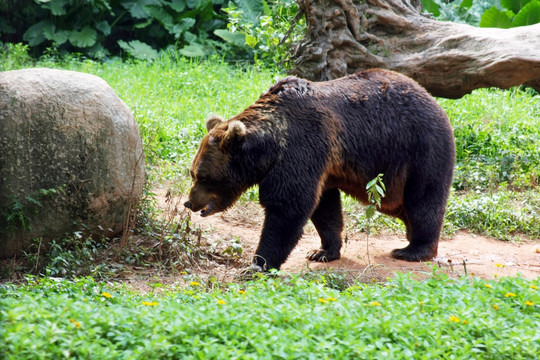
x,y
69,132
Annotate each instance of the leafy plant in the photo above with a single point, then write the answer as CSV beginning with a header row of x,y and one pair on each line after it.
x,y
513,13
100,27
375,190
461,11
486,13
19,213
269,28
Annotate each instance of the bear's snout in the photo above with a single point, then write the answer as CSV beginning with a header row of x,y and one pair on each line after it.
x,y
188,204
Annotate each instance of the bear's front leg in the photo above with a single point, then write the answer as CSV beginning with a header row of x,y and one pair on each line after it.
x,y
281,232
328,220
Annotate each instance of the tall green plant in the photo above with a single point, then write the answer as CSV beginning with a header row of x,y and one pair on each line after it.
x,y
514,13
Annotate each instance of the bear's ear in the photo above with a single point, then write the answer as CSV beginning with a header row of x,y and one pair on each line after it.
x,y
235,132
212,121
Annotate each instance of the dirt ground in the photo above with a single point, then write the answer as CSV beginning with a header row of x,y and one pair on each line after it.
x,y
463,253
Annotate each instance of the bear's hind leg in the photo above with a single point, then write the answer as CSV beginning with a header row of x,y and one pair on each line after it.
x,y
423,218
328,220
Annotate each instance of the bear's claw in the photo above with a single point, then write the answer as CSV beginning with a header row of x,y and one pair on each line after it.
x,y
410,253
321,255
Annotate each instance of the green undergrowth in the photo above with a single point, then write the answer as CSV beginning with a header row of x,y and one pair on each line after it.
x,y
283,317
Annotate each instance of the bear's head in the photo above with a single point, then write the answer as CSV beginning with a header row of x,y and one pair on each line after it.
x,y
217,182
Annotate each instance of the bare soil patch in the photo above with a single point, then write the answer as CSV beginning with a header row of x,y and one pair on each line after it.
x,y
463,253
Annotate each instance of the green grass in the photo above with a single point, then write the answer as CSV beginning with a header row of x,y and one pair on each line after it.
x,y
287,317
497,138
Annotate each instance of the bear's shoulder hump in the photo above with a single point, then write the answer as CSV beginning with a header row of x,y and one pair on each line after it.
x,y
290,85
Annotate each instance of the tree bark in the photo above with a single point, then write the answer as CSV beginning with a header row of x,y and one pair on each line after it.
x,y
448,59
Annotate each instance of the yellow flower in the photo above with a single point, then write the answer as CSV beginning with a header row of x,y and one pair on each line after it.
x,y
421,303
464,322
323,300
221,302
488,286
500,265
529,303
241,292
77,324
495,307
106,295
149,303
331,299
509,294
454,318
534,287
194,283
375,303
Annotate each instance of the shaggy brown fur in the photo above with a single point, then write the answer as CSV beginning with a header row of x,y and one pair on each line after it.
x,y
303,141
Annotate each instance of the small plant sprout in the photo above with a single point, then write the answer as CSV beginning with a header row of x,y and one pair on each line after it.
x,y
375,191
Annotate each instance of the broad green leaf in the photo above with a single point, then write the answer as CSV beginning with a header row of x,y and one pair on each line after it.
x,y
266,9
466,4
432,7
180,28
104,27
190,37
98,51
55,6
84,38
158,13
514,5
50,33
529,15
178,5
136,8
235,38
193,50
139,50
34,35
194,4
252,9
496,18
251,40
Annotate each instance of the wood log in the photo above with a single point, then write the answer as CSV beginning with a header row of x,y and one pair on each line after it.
x,y
448,59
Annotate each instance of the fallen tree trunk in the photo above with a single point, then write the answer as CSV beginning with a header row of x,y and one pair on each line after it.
x,y
448,59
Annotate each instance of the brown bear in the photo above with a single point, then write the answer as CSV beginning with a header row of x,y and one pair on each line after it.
x,y
303,141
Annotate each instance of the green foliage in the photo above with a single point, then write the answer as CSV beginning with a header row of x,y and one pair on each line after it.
x,y
269,28
503,215
497,139
514,13
461,11
19,213
288,317
14,57
486,13
100,27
